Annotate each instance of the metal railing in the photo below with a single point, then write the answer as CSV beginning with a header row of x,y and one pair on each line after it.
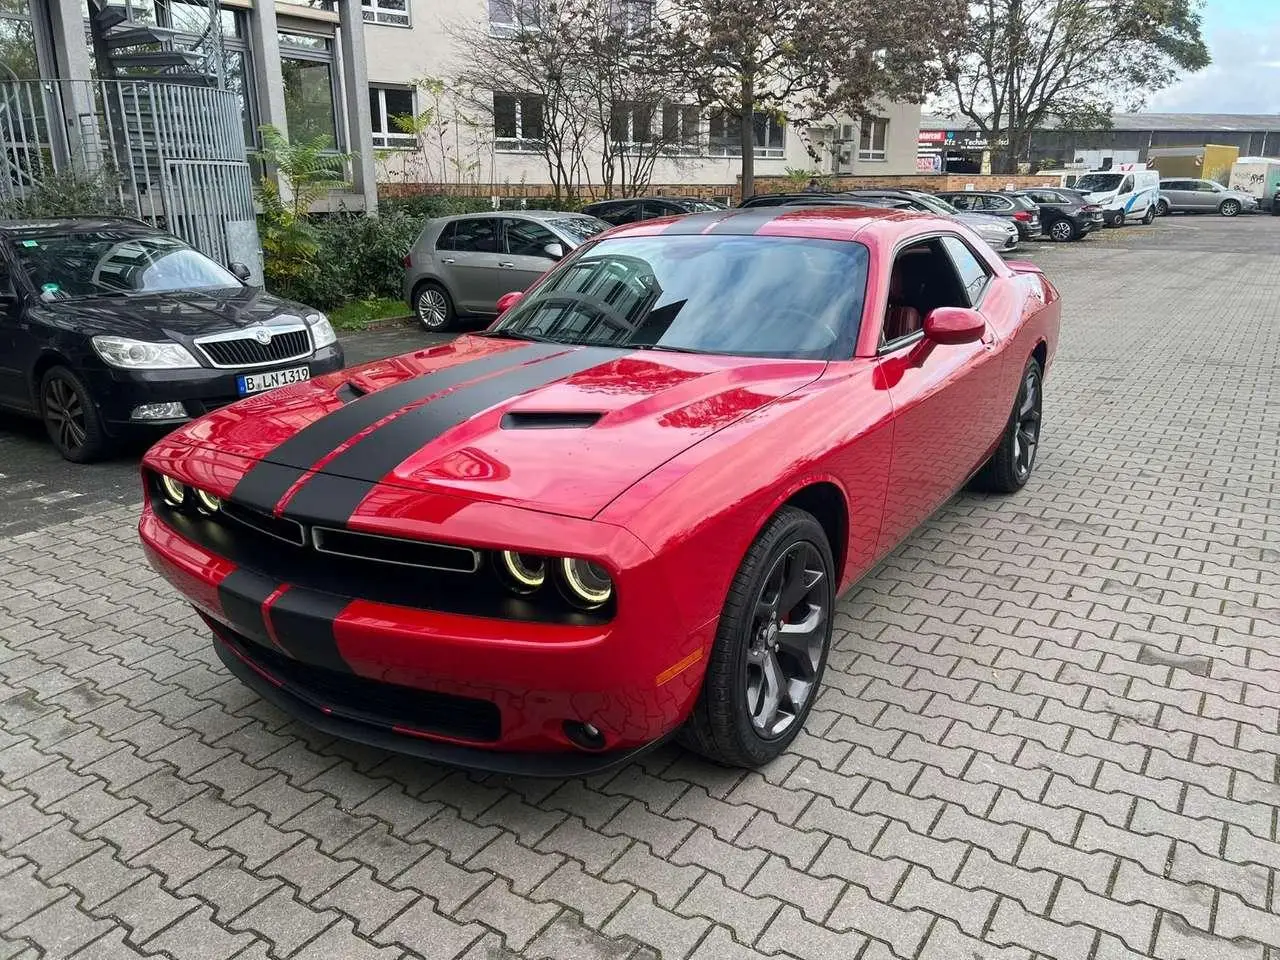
x,y
172,153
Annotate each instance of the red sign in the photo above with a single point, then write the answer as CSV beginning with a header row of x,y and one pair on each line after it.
x,y
932,136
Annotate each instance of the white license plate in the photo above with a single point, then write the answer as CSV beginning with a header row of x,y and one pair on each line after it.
x,y
248,383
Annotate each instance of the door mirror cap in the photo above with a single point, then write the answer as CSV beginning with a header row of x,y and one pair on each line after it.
x,y
239,270
508,300
951,325
554,250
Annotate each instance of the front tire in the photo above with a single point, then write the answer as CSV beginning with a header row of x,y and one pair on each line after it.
x,y
434,307
771,646
1229,208
70,416
1010,466
1118,219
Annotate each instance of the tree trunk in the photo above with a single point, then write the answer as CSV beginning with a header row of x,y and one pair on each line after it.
x,y
747,137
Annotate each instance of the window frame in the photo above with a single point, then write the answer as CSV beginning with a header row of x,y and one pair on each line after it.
x,y
518,24
402,141
372,12
730,146
452,231
329,56
508,220
519,143
629,109
868,126
893,346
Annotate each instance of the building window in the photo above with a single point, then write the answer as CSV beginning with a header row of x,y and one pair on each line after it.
x,y
631,16
513,16
872,137
389,13
391,113
306,64
681,126
517,122
631,123
725,136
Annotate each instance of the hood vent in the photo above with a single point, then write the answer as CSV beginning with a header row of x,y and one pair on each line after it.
x,y
550,420
349,391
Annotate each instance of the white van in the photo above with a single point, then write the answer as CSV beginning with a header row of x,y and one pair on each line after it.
x,y
1124,195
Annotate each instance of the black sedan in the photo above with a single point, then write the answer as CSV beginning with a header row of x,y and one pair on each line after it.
x,y
108,326
1066,215
633,209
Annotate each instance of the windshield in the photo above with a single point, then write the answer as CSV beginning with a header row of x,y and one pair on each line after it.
x,y
1098,182
750,296
115,262
936,204
580,229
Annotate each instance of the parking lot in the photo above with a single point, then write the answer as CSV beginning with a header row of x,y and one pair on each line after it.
x,y
1051,723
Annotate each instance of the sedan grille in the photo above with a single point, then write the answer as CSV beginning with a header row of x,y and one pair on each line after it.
x,y
245,349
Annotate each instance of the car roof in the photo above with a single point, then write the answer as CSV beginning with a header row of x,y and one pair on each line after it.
x,y
829,222
43,226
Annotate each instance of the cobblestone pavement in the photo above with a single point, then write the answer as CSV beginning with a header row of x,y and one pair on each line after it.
x,y
1050,727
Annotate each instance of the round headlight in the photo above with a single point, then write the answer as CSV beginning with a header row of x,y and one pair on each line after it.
x,y
208,502
586,584
174,493
525,572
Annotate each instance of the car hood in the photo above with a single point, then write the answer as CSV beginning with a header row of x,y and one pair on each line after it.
x,y
560,429
177,315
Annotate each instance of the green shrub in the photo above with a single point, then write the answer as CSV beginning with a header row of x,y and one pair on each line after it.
x,y
65,193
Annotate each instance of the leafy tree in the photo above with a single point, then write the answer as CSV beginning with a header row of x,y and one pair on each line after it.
x,y
806,61
1024,62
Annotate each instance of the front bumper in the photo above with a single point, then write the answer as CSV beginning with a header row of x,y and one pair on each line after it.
x,y
473,690
199,390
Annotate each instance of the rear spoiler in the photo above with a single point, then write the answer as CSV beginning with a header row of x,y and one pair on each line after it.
x,y
1023,266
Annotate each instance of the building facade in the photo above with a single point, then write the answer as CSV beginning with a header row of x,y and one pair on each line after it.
x,y
412,55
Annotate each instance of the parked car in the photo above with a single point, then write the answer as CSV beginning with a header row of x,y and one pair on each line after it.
x,y
1184,195
459,266
1024,213
109,327
1000,235
634,209
623,511
1064,214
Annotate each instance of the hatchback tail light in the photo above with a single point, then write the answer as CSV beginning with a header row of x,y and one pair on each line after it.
x,y
407,262
1091,208
1023,215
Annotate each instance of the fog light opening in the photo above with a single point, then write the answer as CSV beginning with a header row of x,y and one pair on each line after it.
x,y
584,735
159,411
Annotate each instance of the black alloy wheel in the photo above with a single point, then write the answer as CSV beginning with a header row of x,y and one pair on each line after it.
x,y
1118,219
771,646
70,416
1010,466
1062,231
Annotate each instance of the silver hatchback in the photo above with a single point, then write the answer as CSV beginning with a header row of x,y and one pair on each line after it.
x,y
460,266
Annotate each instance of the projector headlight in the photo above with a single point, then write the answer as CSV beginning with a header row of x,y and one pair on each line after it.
x,y
174,493
207,501
585,584
524,572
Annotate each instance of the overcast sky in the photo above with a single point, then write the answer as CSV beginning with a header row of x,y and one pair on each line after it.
x,y
1244,41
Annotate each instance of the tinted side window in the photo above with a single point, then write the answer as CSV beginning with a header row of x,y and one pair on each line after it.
x,y
479,235
961,201
998,203
621,213
973,275
527,239
445,240
658,208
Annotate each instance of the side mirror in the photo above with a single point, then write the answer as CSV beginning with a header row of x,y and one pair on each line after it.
x,y
951,325
508,300
554,250
240,271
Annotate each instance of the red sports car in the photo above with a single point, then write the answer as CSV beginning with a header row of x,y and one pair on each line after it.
x,y
627,508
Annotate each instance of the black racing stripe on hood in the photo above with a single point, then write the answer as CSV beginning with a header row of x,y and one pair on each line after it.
x,y
332,495
269,480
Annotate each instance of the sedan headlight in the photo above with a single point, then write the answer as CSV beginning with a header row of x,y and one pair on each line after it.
x,y
322,334
585,584
143,354
174,493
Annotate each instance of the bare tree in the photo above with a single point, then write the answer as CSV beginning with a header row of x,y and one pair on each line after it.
x,y
807,61
1024,62
531,83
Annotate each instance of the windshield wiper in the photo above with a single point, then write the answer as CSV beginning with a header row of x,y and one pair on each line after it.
x,y
665,346
517,335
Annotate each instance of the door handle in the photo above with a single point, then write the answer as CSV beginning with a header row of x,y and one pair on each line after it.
x,y
448,260
506,264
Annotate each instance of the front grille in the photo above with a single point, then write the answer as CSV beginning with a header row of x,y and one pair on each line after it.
x,y
404,553
247,351
373,701
290,531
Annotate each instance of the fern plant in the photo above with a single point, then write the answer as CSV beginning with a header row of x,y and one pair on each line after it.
x,y
308,168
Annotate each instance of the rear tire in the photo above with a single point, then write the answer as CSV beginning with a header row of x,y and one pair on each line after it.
x,y
1162,208
731,724
1062,231
1010,466
1149,217
1229,208
70,416
434,307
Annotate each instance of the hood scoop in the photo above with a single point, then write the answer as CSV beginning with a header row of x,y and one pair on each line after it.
x,y
549,420
349,391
